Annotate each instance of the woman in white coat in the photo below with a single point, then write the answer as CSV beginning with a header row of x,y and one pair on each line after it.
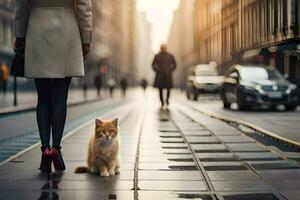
x,y
56,36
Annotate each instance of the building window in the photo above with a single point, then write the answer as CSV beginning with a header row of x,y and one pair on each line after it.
x,y
268,17
293,12
285,18
276,15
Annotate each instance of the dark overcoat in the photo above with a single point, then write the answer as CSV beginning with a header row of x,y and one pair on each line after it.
x,y
163,64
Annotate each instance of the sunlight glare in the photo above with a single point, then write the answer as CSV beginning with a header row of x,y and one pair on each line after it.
x,y
160,15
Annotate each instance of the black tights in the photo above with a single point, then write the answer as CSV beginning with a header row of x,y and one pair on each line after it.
x,y
51,108
161,96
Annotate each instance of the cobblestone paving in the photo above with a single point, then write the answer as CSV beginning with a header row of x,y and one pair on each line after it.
x,y
176,154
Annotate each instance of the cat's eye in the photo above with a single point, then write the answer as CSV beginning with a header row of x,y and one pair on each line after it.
x,y
100,133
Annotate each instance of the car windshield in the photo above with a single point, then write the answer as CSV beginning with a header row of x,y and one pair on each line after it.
x,y
259,74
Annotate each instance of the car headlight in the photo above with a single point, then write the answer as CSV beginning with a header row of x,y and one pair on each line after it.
x,y
291,88
249,87
196,84
253,87
259,89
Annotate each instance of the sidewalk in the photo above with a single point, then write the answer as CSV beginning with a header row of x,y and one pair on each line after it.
x,y
27,100
22,180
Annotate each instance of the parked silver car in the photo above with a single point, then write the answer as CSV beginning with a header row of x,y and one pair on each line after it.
x,y
202,78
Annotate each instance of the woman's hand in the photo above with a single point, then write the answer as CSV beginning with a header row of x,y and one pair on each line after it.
x,y
86,49
20,43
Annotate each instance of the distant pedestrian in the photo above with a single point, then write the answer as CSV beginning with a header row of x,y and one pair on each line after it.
x,y
111,86
4,77
84,88
164,64
124,85
98,84
144,84
58,37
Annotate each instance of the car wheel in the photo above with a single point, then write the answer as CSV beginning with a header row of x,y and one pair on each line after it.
x,y
273,107
241,103
188,95
242,106
226,104
195,95
290,107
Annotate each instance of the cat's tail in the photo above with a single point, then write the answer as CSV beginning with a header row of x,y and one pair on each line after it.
x,y
82,169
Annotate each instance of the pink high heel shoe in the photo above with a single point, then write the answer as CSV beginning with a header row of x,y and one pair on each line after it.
x,y
57,159
46,160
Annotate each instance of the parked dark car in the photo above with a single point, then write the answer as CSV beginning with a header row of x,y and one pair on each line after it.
x,y
202,78
250,86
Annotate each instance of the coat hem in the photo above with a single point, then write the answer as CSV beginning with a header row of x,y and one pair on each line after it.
x,y
33,77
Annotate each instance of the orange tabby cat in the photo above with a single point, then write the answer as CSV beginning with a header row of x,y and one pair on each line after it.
x,y
103,150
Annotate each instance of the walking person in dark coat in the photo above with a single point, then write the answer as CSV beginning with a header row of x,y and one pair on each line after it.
x,y
164,64
144,84
98,84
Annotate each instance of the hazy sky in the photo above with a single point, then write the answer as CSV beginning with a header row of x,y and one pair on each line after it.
x,y
159,13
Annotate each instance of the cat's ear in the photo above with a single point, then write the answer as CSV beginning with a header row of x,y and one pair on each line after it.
x,y
115,122
98,122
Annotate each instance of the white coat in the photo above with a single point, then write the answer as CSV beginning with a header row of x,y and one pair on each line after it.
x,y
55,31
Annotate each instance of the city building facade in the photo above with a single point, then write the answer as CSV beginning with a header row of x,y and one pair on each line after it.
x,y
181,41
113,40
268,30
207,21
248,31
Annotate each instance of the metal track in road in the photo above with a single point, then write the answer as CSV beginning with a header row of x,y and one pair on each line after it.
x,y
257,129
249,167
202,171
137,156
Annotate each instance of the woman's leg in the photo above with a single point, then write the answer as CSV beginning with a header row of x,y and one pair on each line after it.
x,y
59,95
43,111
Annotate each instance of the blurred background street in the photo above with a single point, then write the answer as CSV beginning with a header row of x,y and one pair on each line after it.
x,y
229,131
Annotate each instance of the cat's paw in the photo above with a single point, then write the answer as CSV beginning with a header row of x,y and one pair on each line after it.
x,y
112,172
117,170
104,173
